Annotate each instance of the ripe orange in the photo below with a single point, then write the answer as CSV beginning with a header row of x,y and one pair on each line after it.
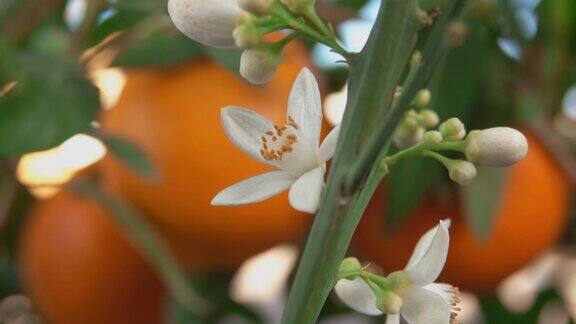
x,y
174,116
79,268
530,219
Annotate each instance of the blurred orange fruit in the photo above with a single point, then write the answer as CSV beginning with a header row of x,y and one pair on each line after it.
x,y
78,267
530,219
174,116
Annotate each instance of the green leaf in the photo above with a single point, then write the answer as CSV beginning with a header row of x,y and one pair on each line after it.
x,y
53,101
229,58
118,22
160,49
481,200
141,5
408,183
129,154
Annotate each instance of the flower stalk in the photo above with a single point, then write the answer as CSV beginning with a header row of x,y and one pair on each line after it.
x,y
374,76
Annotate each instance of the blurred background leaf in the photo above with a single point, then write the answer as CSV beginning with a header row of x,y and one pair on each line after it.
x,y
53,101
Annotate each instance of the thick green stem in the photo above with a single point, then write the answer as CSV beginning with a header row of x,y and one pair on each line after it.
x,y
374,75
436,47
373,78
151,244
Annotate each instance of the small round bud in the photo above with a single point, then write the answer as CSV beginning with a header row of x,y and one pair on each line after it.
x,y
258,65
406,135
453,129
422,99
498,146
397,93
433,137
256,7
246,33
457,31
298,6
462,172
424,18
429,118
349,266
416,58
389,302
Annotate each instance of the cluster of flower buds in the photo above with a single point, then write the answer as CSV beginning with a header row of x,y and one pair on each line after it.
x,y
241,24
495,147
417,120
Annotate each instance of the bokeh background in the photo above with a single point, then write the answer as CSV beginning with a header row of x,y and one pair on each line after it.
x,y
108,92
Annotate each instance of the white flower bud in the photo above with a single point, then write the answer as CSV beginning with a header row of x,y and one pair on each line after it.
x,y
462,172
406,135
422,99
429,118
498,146
258,65
433,137
208,22
298,6
256,7
246,34
453,129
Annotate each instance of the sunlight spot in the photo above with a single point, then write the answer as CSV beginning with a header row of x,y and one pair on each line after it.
x,y
334,106
262,278
111,82
45,171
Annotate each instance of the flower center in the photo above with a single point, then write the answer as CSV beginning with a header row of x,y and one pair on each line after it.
x,y
280,141
454,301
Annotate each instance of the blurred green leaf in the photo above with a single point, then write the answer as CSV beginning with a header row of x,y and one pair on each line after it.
x,y
140,5
160,49
120,21
408,183
481,199
53,101
352,4
129,154
229,58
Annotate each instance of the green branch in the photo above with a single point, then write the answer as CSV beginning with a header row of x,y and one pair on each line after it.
x,y
374,75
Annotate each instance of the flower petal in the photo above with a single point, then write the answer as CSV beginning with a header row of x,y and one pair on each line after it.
x,y
245,128
305,193
393,319
328,146
449,293
429,256
424,244
254,189
208,22
357,295
425,307
304,106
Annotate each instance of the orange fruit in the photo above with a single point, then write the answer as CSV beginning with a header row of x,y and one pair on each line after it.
x,y
530,219
174,116
78,267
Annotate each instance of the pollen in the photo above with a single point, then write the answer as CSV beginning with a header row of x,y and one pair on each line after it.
x,y
276,143
454,301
